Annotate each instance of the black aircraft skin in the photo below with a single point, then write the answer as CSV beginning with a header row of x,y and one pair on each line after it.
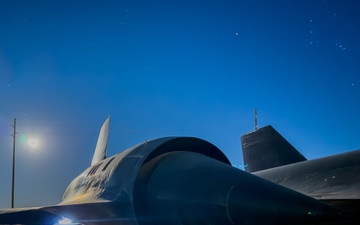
x,y
189,181
334,179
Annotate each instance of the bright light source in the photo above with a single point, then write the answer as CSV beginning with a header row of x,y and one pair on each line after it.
x,y
33,143
65,220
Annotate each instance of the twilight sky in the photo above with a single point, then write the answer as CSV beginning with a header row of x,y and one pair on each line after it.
x,y
170,68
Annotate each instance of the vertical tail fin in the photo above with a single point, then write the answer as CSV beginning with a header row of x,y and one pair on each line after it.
x,y
101,145
265,148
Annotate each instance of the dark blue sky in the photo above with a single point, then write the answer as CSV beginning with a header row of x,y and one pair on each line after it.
x,y
164,68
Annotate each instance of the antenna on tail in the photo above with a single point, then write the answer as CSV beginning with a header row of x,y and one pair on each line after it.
x,y
255,119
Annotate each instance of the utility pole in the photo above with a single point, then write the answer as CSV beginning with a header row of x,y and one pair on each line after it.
x,y
255,119
13,165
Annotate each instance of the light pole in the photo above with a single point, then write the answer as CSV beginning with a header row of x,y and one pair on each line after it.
x,y
13,166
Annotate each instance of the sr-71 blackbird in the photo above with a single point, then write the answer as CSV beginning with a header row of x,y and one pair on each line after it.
x,y
186,180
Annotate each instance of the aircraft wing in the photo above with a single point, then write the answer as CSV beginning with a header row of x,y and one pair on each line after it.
x,y
87,213
37,215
